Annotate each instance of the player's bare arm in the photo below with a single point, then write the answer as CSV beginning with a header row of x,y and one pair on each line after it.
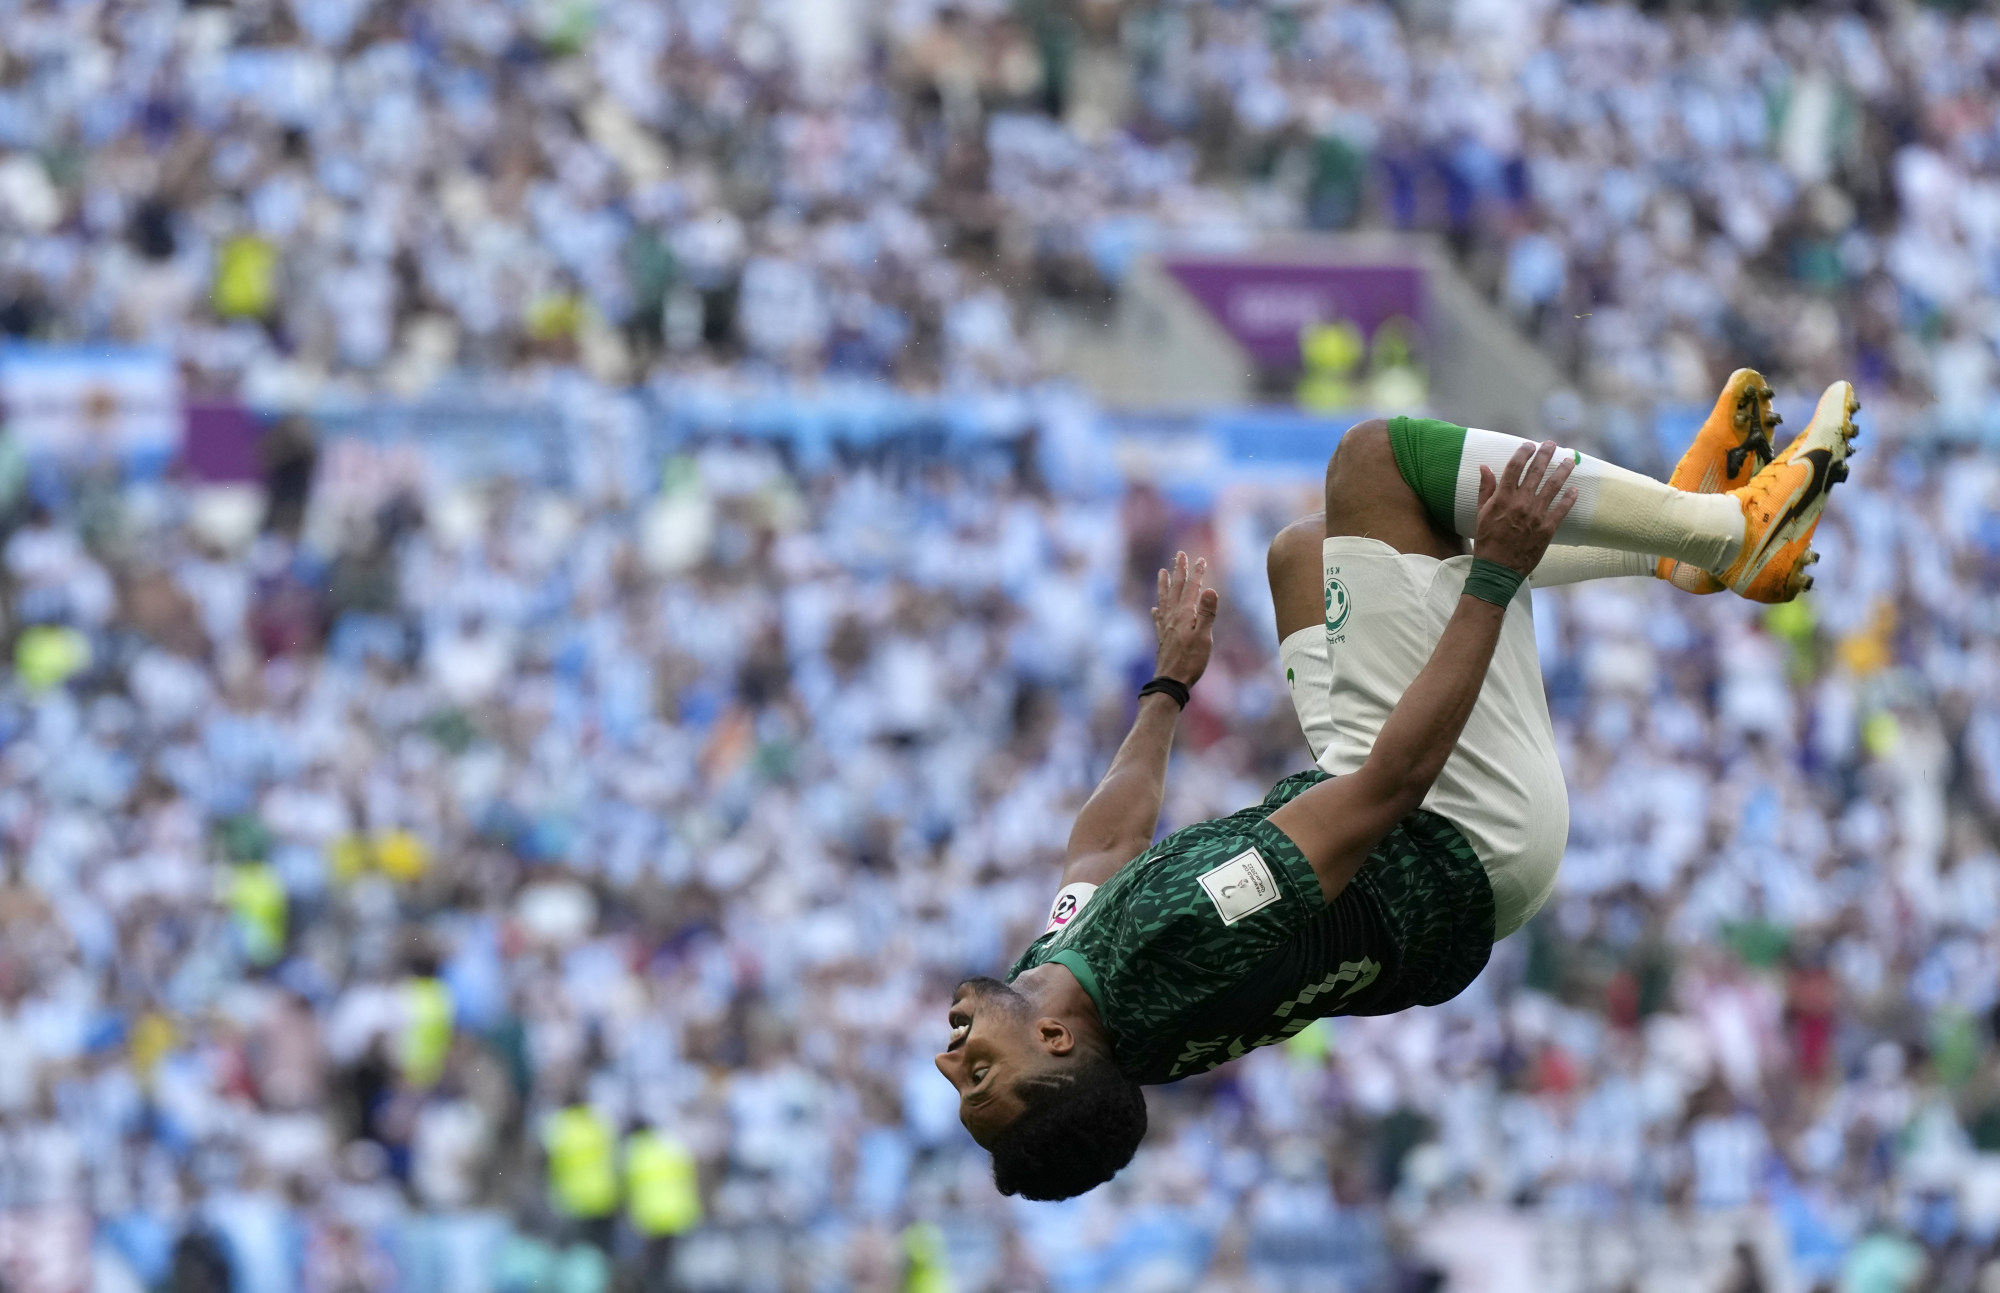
x,y
1337,824
1118,820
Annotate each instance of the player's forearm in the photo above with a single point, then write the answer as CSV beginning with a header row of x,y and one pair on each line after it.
x,y
1125,807
1420,734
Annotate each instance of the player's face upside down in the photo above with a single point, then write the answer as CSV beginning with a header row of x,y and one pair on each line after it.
x,y
993,1043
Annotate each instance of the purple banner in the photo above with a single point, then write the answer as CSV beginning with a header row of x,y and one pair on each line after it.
x,y
219,443
1264,305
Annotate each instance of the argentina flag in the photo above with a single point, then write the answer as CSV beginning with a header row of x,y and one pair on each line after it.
x,y
91,402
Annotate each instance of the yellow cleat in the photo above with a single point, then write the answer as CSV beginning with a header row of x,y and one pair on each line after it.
x,y
1782,503
1731,447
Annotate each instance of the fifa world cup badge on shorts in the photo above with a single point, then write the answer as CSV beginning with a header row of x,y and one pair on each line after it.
x,y
1338,604
1240,887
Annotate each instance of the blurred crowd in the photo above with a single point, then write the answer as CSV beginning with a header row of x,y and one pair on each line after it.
x,y
425,880
304,195
1657,197
301,195
494,885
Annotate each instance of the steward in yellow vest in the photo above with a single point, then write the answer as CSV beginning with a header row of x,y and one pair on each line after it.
x,y
426,1041
583,1163
662,1192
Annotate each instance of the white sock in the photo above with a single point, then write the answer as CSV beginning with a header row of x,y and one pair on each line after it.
x,y
1563,564
1615,508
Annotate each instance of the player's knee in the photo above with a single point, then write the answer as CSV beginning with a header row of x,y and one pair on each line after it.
x,y
1363,450
1293,566
1296,544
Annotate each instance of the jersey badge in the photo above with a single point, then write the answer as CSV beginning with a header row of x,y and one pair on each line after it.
x,y
1068,903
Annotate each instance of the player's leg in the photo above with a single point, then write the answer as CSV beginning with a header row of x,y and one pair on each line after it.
x,y
1293,566
1366,498
1369,496
1732,445
1756,538
1615,508
1298,593
1563,564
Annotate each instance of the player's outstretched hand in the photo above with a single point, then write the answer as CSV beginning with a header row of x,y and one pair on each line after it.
x,y
1519,513
1184,618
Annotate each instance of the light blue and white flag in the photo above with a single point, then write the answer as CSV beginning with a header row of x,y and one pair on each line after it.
x,y
90,401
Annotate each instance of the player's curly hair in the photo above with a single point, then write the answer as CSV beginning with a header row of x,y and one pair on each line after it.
x,y
1077,1128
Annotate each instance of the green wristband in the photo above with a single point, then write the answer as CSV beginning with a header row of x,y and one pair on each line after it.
x,y
1490,581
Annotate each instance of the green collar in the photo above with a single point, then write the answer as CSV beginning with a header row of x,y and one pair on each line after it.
x,y
1073,961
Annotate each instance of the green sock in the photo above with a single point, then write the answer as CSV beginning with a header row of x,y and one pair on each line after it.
x,y
1427,453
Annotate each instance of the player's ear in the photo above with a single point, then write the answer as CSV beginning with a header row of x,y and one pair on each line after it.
x,y
1054,1035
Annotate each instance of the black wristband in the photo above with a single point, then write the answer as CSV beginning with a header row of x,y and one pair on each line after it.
x,y
1166,686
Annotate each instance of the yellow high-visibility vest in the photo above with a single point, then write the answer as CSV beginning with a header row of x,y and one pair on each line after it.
x,y
583,1162
426,1041
662,1193
48,655
926,1268
246,278
349,856
401,855
257,901
1329,353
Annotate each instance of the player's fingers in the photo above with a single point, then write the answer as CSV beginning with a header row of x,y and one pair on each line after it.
x,y
1160,594
1558,475
1518,463
1564,501
1486,484
1538,465
1205,608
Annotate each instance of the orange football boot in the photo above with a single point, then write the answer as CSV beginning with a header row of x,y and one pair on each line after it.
x,y
1782,503
1732,446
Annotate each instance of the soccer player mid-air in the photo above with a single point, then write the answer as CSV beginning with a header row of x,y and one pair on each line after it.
x,y
1436,818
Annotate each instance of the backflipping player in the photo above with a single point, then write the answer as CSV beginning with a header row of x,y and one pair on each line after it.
x,y
1436,818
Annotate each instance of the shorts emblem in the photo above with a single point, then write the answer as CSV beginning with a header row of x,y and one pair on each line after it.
x,y
1338,604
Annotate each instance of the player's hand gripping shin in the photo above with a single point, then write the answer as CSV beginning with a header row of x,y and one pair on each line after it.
x,y
1518,518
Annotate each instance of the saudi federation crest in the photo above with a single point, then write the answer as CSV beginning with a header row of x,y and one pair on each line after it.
x,y
1337,607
